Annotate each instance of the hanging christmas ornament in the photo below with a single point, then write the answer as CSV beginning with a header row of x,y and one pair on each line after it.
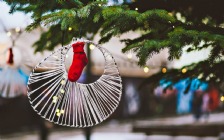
x,y
56,95
12,78
15,66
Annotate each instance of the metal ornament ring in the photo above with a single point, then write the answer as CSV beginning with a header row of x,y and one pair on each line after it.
x,y
73,104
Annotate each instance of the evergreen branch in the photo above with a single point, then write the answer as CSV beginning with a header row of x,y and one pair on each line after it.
x,y
158,27
202,28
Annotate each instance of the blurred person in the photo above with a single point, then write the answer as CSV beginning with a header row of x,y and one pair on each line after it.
x,y
185,91
205,105
197,104
169,92
158,91
132,101
210,101
165,91
213,97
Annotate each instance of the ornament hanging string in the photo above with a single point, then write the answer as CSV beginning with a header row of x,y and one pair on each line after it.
x,y
62,38
80,32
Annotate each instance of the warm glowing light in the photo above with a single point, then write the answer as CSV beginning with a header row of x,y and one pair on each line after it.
x,y
92,47
58,114
207,78
217,80
62,82
171,14
17,29
9,33
129,56
211,75
146,69
184,70
62,111
70,28
222,98
136,9
164,70
57,110
54,101
62,91
55,98
200,76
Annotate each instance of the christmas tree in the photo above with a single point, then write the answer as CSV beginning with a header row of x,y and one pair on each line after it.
x,y
163,24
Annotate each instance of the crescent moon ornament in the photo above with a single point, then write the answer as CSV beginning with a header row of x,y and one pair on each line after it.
x,y
74,104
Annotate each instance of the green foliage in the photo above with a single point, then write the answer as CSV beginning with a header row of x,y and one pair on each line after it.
x,y
160,28
78,18
53,35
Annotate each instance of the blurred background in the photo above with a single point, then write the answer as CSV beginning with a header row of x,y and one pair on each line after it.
x,y
153,105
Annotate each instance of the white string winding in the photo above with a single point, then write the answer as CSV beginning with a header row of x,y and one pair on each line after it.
x,y
71,103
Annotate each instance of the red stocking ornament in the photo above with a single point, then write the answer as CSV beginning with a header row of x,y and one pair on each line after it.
x,y
79,62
